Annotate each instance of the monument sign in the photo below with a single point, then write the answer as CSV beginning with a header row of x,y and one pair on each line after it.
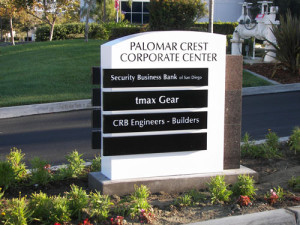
x,y
162,98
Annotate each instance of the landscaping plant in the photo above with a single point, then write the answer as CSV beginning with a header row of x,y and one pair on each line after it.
x,y
77,201
60,211
184,201
196,196
288,42
280,193
271,197
40,172
100,206
294,183
96,164
248,148
17,212
218,190
146,216
7,175
75,167
294,140
244,186
16,159
139,200
244,200
40,205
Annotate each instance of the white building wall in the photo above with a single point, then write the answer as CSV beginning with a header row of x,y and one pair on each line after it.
x,y
225,10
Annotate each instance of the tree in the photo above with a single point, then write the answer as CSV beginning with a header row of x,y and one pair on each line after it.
x,y
175,14
49,10
9,9
26,22
88,6
105,11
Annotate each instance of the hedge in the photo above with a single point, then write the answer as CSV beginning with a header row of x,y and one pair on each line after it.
x,y
115,30
219,27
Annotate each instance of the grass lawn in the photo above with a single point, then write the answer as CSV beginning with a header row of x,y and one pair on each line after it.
x,y
249,80
54,71
47,71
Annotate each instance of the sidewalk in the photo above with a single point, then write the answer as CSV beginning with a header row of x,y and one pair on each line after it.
x,y
288,216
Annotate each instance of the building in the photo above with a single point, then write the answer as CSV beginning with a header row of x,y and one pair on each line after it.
x,y
225,10
136,11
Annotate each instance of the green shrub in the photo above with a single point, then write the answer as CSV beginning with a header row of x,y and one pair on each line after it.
x,y
249,149
218,190
268,150
75,167
98,31
280,193
294,183
96,164
77,201
294,140
244,186
271,147
40,205
40,172
100,206
123,31
183,201
61,31
139,200
7,175
17,212
16,159
42,33
175,15
60,211
196,196
226,28
287,44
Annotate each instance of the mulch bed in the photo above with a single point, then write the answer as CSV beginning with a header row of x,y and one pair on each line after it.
x,y
281,75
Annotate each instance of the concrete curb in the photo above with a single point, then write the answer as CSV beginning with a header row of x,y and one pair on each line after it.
x,y
289,216
27,110
273,89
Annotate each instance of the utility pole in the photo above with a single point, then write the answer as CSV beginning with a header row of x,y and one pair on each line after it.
x,y
211,16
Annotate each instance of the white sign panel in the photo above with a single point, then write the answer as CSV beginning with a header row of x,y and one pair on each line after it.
x,y
162,100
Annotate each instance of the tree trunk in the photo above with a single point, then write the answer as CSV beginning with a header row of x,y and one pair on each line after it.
x,y
11,31
1,35
104,11
51,30
87,18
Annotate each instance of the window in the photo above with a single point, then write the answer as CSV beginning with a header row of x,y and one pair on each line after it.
x,y
138,12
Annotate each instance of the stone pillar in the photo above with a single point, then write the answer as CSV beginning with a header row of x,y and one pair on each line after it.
x,y
233,111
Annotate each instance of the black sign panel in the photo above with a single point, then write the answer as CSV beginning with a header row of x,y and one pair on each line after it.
x,y
155,77
154,100
113,146
154,122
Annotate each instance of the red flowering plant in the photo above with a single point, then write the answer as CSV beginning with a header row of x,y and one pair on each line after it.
x,y
86,222
47,168
271,197
146,217
119,220
244,200
57,224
